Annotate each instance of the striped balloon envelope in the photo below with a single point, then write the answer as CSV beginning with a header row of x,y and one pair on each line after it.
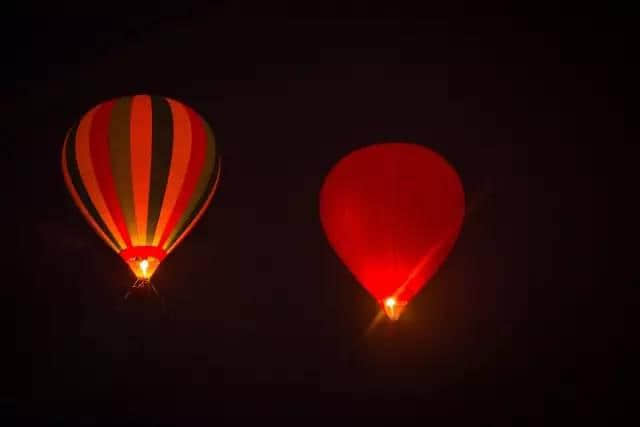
x,y
142,170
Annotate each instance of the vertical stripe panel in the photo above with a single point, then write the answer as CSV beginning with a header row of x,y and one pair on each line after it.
x,y
120,155
99,145
179,163
194,171
140,137
87,173
204,184
162,141
78,192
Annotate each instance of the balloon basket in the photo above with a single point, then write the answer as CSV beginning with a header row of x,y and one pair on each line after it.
x,y
142,284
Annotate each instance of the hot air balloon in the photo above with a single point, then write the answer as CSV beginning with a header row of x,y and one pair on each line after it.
x,y
142,170
392,212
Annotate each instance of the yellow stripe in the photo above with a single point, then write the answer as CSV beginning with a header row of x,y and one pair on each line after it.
x,y
180,155
141,163
85,167
78,201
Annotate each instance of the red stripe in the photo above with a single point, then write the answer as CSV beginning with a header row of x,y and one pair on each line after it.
x,y
143,252
100,156
194,170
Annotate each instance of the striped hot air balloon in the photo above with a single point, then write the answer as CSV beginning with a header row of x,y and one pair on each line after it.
x,y
142,169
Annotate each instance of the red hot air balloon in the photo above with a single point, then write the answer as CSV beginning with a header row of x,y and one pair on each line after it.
x,y
392,212
142,170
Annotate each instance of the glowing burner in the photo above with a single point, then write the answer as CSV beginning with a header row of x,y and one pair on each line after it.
x,y
393,308
143,268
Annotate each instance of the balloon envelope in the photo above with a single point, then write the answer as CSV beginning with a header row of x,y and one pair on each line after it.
x,y
142,170
392,213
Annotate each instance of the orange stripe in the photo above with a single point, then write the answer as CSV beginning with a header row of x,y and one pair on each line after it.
x,y
141,163
78,201
204,208
179,162
85,167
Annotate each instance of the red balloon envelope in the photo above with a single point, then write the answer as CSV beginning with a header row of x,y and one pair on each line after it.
x,y
392,213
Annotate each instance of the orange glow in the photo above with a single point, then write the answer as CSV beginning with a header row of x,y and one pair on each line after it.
x,y
143,268
393,308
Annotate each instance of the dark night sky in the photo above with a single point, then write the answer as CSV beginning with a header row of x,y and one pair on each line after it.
x,y
262,318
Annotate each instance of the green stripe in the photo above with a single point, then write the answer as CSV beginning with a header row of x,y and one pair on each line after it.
x,y
120,152
199,205
76,181
162,142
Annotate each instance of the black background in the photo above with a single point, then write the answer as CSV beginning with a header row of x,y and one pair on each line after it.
x,y
262,319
